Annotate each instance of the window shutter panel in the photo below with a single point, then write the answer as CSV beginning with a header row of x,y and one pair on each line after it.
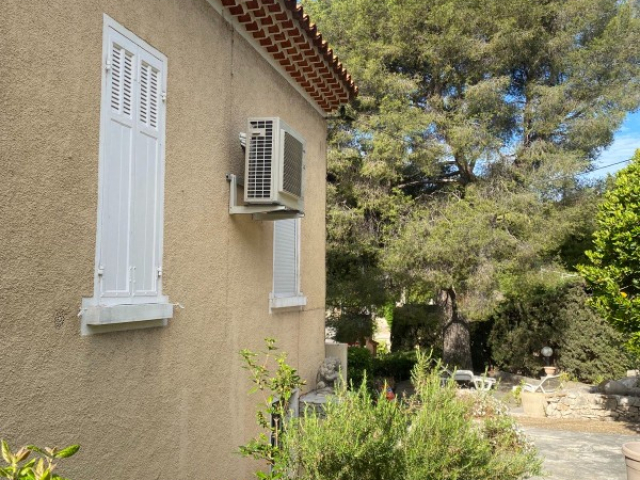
x,y
146,208
285,261
119,104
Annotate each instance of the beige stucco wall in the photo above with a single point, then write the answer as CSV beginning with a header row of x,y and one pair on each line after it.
x,y
165,403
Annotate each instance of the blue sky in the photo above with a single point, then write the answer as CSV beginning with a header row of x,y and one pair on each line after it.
x,y
626,141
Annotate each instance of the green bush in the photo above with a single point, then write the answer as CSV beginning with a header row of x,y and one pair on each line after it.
x,y
359,365
417,325
613,273
433,436
585,346
397,365
351,324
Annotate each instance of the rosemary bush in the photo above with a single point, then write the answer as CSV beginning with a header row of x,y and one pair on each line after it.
x,y
433,435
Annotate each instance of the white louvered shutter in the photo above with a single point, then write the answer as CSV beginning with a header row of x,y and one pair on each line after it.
x,y
130,243
118,144
146,214
286,258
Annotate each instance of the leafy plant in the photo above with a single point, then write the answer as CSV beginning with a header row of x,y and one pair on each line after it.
x,y
585,345
434,435
279,387
516,393
397,365
359,365
614,271
40,467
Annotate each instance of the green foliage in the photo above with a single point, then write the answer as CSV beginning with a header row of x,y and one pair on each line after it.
x,y
387,313
396,365
359,365
278,388
614,271
584,345
351,324
433,436
455,169
417,326
40,466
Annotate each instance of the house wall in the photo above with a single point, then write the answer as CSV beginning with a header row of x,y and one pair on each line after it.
x,y
157,403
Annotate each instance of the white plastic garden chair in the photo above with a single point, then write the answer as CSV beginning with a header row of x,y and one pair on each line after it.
x,y
548,384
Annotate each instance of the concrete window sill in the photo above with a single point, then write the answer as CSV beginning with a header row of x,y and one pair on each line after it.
x,y
287,302
110,318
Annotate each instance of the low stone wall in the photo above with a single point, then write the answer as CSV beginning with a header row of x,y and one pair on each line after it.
x,y
583,404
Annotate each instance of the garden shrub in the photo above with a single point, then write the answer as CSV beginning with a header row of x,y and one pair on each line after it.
x,y
351,324
434,435
359,365
585,346
397,365
614,264
417,326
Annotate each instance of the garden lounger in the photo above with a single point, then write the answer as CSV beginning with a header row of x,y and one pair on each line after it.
x,y
479,382
467,378
548,384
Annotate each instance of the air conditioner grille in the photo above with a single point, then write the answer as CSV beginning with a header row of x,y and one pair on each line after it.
x,y
292,177
260,161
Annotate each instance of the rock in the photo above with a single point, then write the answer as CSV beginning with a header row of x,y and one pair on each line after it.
x,y
613,387
629,382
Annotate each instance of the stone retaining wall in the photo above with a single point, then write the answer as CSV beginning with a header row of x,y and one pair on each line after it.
x,y
580,404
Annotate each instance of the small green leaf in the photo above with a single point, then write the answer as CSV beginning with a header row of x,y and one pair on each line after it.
x,y
22,454
33,448
6,453
46,475
67,452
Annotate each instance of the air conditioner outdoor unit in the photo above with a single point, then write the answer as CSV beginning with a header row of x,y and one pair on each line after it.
x,y
274,164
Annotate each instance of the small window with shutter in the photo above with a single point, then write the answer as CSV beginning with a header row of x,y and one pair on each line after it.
x,y
286,265
128,273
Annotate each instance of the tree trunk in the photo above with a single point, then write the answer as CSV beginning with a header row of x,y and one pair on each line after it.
x,y
457,339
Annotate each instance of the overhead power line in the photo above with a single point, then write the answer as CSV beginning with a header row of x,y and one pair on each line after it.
x,y
605,166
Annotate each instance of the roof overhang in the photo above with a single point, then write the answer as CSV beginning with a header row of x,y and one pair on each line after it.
x,y
283,34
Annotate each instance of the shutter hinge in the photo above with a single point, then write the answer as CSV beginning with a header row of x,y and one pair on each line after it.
x,y
100,270
164,96
107,63
159,271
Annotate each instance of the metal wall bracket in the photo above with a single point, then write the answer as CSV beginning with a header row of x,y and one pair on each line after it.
x,y
259,212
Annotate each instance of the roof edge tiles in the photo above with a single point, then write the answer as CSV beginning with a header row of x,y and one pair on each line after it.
x,y
285,33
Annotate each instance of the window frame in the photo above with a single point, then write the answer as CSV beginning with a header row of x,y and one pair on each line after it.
x,y
102,314
295,298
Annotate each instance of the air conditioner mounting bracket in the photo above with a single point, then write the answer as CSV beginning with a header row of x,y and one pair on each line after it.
x,y
259,212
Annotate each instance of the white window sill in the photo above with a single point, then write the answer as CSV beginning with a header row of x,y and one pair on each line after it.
x,y
287,302
110,318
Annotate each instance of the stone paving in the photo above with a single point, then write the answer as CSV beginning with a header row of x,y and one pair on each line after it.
x,y
573,455
579,455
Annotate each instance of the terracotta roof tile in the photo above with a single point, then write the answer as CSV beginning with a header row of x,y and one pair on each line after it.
x,y
286,33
